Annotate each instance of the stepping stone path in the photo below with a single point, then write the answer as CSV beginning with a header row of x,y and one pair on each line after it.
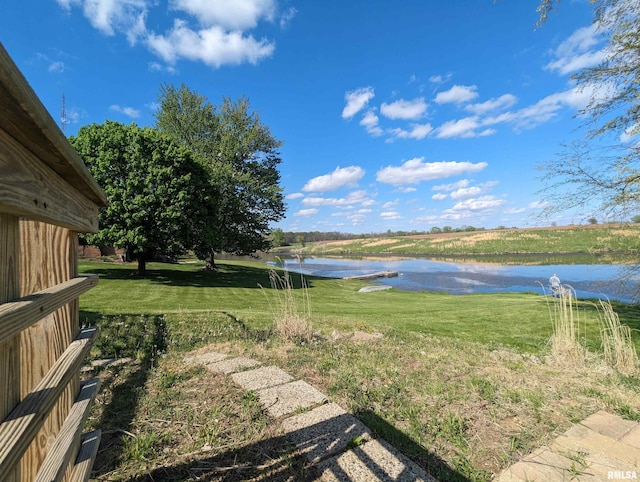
x,y
339,445
601,447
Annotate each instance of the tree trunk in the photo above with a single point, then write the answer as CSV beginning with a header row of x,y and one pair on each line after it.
x,y
142,264
211,263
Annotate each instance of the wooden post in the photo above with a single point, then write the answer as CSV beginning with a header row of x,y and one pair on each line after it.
x,y
9,290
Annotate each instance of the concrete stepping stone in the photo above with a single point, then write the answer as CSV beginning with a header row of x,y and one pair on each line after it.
x,y
232,365
632,437
374,460
608,424
263,377
597,448
543,464
288,398
324,431
580,438
205,358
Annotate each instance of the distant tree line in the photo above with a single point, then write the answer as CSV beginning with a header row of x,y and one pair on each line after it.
x,y
288,238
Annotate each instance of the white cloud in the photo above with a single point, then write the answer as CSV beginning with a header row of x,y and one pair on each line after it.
x,y
440,79
370,123
418,131
295,195
214,46
158,67
546,109
453,186
218,39
416,170
287,17
128,111
390,215
576,52
111,16
538,204
56,67
342,176
466,192
407,190
229,14
503,102
457,94
439,197
356,197
356,101
478,204
630,133
464,128
306,212
404,109
514,211
74,115
389,204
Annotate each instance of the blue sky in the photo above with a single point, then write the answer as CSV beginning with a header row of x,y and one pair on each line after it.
x,y
400,115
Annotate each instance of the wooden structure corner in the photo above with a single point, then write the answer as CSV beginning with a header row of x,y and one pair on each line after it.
x,y
47,196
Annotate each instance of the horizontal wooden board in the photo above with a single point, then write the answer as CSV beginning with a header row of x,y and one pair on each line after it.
x,y
20,427
20,314
67,443
24,117
86,456
31,189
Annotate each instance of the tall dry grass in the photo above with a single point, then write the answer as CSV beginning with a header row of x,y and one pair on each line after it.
x,y
291,308
566,345
567,341
618,347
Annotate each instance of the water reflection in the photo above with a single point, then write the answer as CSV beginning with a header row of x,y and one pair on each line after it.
x,y
480,275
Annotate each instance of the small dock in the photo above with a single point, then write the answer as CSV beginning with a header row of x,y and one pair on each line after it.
x,y
379,274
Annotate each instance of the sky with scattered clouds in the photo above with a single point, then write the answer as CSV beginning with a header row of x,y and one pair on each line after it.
x,y
393,115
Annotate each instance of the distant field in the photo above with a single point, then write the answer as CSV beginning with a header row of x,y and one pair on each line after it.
x,y
588,239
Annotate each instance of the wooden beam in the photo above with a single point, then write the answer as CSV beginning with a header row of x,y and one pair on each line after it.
x,y
30,189
67,442
29,122
86,456
21,426
20,314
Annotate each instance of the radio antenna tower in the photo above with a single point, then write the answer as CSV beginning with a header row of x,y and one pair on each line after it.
x,y
63,116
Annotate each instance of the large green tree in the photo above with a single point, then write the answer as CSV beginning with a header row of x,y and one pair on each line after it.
x,y
157,193
604,167
242,158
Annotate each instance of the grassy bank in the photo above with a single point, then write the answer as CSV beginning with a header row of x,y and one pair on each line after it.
x,y
464,385
590,239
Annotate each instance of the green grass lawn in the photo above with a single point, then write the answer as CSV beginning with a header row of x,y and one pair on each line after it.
x,y
520,320
465,385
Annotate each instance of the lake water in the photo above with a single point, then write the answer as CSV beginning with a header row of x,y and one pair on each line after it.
x,y
600,281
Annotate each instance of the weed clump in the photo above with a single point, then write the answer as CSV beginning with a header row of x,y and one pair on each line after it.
x,y
291,313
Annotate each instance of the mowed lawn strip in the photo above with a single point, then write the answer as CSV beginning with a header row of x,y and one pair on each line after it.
x,y
242,289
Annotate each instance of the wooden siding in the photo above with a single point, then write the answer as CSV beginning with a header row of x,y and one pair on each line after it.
x,y
46,197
